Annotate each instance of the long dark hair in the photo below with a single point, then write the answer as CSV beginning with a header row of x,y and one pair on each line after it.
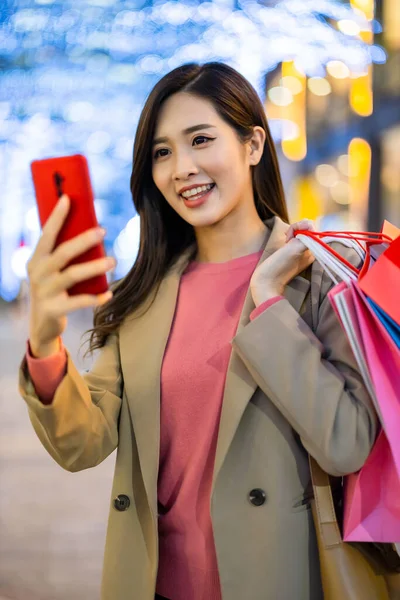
x,y
164,235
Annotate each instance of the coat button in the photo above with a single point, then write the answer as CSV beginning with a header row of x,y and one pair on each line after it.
x,y
257,497
122,502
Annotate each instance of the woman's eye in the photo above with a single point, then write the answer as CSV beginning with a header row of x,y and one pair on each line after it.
x,y
157,153
198,140
202,137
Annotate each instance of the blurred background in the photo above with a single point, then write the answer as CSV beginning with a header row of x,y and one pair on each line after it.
x,y
73,79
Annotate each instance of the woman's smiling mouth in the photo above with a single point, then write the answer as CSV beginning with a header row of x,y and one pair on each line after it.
x,y
197,195
195,191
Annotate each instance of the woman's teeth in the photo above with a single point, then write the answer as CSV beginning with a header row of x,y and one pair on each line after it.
x,y
194,193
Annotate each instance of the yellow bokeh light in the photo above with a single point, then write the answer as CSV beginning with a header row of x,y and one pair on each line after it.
x,y
319,86
340,193
367,36
360,171
280,95
343,164
307,199
360,92
361,95
326,175
295,148
391,23
365,6
338,69
294,84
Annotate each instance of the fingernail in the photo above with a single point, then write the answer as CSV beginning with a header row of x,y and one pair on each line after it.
x,y
63,200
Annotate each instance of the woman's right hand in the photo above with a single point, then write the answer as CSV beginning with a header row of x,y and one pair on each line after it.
x,y
48,282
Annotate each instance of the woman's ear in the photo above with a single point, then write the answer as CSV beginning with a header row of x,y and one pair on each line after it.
x,y
256,145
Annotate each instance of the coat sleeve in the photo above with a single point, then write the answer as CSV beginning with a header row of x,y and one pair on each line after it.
x,y
79,428
313,379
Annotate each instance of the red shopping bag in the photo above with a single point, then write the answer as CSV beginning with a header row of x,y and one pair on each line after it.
x,y
382,282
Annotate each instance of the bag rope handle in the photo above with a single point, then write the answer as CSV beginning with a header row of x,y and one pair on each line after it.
x,y
356,236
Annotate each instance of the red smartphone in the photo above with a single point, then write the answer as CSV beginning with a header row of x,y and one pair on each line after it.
x,y
53,177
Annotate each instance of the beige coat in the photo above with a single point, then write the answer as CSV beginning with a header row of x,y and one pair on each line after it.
x,y
287,392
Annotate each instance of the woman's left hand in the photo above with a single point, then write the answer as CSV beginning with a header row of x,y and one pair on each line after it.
x,y
271,277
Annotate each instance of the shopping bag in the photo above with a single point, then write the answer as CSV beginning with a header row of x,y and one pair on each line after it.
x,y
342,302
383,360
371,496
391,326
382,281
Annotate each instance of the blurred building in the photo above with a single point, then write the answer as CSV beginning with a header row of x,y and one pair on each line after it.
x,y
348,128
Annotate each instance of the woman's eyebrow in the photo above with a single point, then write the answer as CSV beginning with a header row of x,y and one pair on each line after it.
x,y
161,140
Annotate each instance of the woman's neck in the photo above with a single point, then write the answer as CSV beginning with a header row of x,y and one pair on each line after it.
x,y
216,246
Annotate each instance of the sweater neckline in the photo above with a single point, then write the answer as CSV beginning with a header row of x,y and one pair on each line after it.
x,y
229,265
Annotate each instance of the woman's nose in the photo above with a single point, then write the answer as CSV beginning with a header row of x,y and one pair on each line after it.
x,y
184,166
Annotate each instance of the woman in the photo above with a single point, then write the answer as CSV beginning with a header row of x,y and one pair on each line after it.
x,y
220,367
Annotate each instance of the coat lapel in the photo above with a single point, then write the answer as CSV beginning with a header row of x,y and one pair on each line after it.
x,y
142,344
143,339
239,384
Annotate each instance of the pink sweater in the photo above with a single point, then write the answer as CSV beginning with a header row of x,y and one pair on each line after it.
x,y
192,385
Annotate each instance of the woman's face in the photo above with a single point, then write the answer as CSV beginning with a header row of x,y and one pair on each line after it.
x,y
195,147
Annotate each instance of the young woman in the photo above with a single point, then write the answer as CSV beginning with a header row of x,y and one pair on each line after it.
x,y
221,366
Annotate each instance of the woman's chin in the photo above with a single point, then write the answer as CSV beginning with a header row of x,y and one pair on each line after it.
x,y
206,219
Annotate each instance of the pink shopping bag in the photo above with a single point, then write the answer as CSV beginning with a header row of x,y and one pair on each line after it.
x,y
372,496
383,359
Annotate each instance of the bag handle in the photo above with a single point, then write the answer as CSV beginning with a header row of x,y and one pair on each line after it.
x,y
325,509
328,248
363,236
370,239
